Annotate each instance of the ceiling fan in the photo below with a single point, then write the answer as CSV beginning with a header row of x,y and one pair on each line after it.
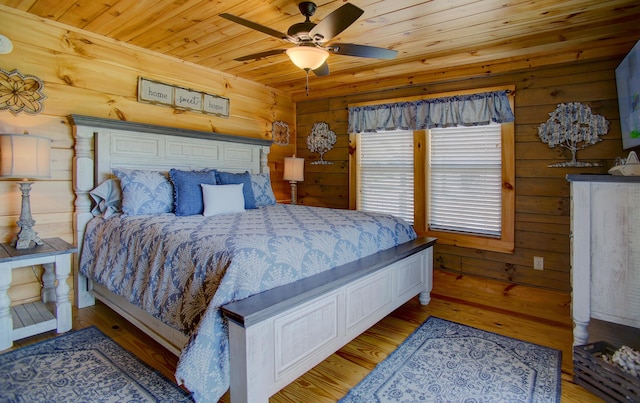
x,y
311,51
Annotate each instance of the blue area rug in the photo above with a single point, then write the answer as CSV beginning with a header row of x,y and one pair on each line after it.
x,y
444,361
82,366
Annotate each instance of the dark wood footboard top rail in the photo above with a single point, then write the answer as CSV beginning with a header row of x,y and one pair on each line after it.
x,y
259,307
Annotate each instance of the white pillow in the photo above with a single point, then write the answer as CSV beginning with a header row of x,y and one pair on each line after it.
x,y
222,199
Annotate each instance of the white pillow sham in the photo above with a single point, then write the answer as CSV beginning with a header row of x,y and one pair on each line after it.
x,y
222,199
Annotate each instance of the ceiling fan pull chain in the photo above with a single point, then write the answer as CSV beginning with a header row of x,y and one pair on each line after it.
x,y
306,87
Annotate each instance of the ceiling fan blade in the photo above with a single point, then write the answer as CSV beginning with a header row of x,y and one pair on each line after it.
x,y
257,27
351,49
336,22
261,55
322,70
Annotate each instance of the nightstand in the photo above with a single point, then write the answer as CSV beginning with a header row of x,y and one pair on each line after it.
x,y
32,318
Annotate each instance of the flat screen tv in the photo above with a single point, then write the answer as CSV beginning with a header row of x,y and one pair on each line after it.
x,y
628,83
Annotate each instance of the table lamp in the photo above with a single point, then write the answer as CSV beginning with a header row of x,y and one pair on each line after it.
x,y
293,172
24,156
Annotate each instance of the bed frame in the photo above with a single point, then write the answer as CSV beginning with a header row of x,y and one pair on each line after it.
x,y
275,336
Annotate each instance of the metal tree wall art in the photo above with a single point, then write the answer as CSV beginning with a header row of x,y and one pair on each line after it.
x,y
320,141
21,93
574,127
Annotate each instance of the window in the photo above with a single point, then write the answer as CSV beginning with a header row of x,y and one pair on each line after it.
x,y
385,173
463,181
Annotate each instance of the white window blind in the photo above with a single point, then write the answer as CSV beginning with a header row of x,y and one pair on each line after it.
x,y
385,173
465,189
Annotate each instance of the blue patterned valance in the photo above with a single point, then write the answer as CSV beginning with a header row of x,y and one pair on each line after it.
x,y
460,110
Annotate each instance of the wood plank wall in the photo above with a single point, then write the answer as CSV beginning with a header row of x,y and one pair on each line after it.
x,y
542,193
90,75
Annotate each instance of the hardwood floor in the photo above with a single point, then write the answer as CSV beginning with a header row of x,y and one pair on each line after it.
x,y
530,314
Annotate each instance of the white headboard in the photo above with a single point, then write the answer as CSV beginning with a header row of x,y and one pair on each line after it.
x,y
104,144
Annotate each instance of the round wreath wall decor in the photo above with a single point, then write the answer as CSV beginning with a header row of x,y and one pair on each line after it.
x,y
280,133
21,93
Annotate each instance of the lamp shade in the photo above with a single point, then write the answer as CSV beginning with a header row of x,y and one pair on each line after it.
x,y
307,57
293,169
24,156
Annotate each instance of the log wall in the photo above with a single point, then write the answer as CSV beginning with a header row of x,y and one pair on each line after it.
x,y
542,193
91,75
87,74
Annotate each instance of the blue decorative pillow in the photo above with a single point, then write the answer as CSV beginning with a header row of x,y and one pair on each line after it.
x,y
229,178
262,191
187,190
145,192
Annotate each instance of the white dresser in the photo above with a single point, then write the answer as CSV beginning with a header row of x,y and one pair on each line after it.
x,y
605,251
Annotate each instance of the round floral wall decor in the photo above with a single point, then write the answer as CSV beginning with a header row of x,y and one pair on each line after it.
x,y
21,93
280,133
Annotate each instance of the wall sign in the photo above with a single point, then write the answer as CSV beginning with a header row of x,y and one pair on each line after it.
x,y
216,105
155,92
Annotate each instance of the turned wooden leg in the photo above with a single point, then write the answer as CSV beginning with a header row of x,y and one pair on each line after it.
x,y
48,293
63,305
425,296
6,322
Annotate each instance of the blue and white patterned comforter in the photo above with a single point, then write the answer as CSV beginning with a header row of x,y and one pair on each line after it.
x,y
183,269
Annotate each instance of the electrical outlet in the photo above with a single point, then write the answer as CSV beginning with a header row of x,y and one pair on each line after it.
x,y
538,263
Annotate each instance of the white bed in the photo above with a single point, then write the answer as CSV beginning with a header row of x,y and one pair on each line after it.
x,y
343,302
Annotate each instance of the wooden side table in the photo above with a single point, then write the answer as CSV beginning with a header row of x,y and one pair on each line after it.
x,y
32,318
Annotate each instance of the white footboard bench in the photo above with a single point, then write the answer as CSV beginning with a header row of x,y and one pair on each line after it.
x,y
278,335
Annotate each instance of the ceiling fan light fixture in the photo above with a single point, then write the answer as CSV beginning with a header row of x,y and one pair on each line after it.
x,y
307,57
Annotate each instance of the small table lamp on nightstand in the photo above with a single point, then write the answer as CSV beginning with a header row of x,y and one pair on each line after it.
x,y
293,172
24,156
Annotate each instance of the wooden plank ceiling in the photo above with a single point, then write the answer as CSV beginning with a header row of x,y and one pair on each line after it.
x,y
435,40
